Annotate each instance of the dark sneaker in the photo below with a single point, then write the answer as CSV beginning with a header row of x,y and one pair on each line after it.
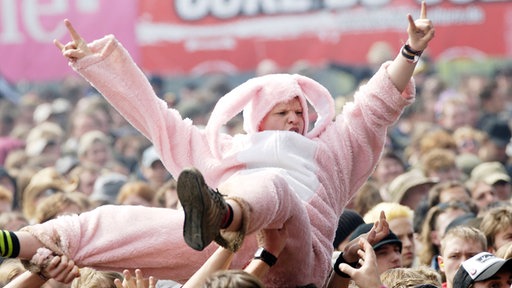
x,y
204,209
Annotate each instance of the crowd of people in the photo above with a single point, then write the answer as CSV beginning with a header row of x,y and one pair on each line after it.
x,y
112,182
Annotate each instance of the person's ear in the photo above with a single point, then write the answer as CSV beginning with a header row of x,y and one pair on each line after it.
x,y
440,261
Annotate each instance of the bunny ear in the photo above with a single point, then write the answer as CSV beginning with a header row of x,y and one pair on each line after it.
x,y
321,100
228,107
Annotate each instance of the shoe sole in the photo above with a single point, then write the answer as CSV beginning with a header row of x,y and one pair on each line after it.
x,y
190,185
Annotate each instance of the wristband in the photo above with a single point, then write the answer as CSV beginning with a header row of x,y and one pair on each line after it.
x,y
265,256
337,266
411,55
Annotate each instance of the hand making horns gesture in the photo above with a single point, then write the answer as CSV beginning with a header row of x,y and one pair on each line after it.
x,y
76,48
420,31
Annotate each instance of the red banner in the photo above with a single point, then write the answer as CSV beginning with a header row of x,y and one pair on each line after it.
x,y
28,27
200,36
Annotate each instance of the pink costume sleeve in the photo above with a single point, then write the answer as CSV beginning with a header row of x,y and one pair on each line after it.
x,y
115,75
357,139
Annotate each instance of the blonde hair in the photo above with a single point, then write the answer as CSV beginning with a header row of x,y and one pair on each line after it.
x,y
136,188
505,251
232,279
7,219
466,132
410,277
392,211
99,279
466,233
495,220
437,159
53,205
10,269
47,179
436,139
88,139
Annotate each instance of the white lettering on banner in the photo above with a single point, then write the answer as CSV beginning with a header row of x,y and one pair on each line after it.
x,y
340,4
193,10
284,27
9,32
31,12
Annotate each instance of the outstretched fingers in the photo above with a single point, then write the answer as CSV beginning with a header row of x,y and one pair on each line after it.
x,y
423,13
72,32
76,48
59,45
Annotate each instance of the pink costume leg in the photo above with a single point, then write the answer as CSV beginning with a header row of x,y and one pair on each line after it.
x,y
125,237
272,204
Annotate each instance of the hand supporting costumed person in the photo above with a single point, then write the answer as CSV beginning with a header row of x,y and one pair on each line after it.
x,y
358,260
279,174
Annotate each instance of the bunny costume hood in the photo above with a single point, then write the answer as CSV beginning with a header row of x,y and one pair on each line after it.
x,y
257,96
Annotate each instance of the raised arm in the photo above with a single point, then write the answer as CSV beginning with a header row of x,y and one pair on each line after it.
x,y
272,241
420,33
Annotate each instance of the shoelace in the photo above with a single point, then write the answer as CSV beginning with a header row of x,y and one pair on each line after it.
x,y
218,198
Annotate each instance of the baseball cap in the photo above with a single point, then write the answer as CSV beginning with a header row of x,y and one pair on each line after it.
x,y
107,186
478,268
490,173
149,156
403,182
391,238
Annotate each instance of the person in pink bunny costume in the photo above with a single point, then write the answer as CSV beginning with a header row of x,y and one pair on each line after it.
x,y
278,174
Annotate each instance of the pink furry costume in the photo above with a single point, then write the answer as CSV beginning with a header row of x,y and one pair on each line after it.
x,y
301,181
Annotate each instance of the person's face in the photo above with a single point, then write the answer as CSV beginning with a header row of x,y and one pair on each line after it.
x,y
7,183
387,170
404,230
454,194
502,279
503,190
388,257
414,195
456,251
136,200
87,179
443,175
5,206
285,116
443,220
483,195
83,124
156,174
502,237
454,116
98,153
